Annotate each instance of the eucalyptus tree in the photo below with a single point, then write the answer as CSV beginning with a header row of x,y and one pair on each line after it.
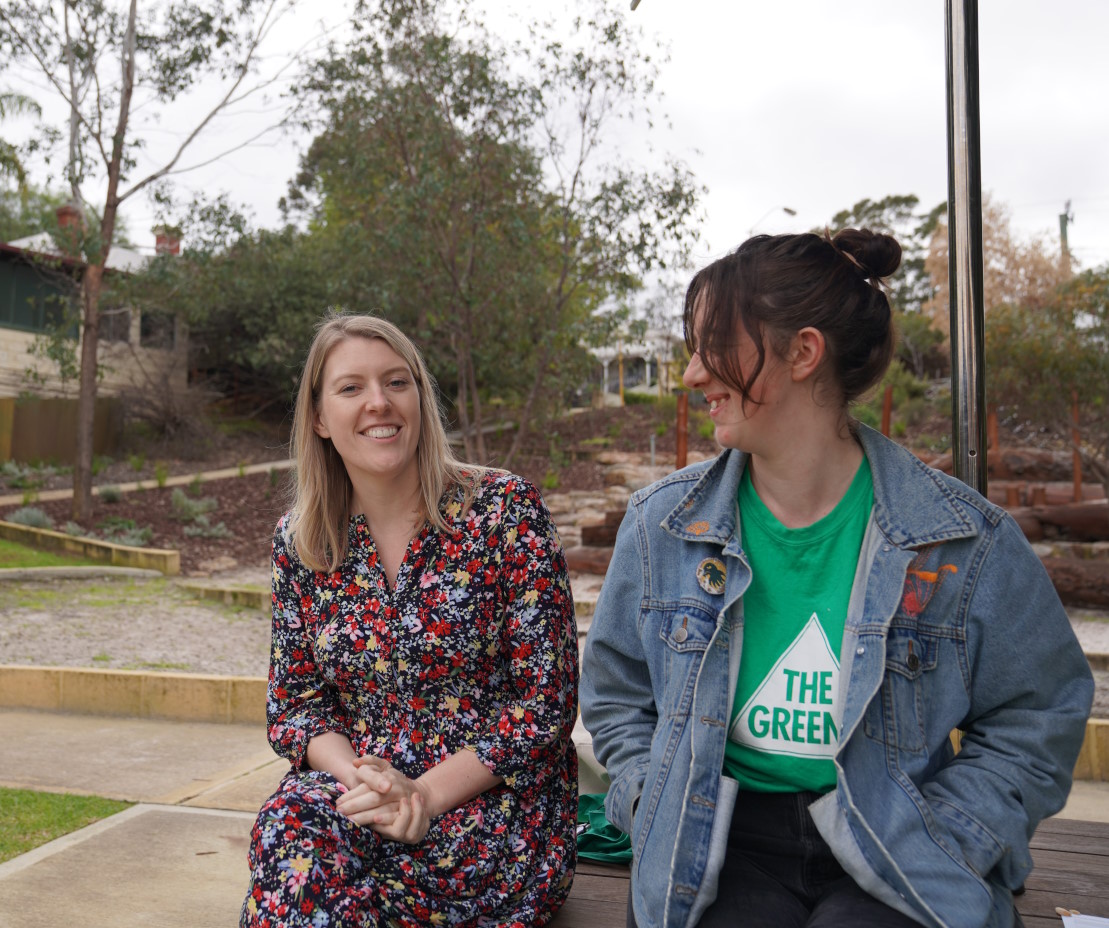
x,y
479,188
1050,355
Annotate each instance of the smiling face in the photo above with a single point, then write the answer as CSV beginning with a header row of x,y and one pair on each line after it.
x,y
742,423
369,407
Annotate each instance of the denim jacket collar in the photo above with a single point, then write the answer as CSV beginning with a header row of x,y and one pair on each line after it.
x,y
708,512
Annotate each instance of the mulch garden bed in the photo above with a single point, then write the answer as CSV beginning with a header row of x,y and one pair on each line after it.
x,y
248,508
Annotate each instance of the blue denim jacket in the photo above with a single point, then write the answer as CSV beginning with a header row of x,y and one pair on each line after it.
x,y
952,623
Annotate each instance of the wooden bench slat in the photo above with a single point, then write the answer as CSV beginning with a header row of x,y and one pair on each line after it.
x,y
1071,869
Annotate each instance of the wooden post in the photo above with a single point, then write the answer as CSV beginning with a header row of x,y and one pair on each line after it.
x,y
682,431
1077,455
993,436
887,409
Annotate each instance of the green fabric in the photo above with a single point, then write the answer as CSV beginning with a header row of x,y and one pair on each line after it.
x,y
785,716
598,838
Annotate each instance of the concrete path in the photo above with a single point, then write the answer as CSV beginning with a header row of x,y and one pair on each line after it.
x,y
175,860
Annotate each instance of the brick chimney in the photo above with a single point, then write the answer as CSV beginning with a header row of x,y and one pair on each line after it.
x,y
69,217
167,240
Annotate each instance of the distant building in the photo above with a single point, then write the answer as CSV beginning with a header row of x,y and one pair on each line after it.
x,y
39,289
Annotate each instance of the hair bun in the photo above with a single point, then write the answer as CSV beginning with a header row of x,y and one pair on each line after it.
x,y
874,253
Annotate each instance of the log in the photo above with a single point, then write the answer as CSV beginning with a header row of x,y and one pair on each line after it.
x,y
1079,582
1077,521
588,560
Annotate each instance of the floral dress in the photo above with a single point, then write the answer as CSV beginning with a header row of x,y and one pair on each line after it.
x,y
475,648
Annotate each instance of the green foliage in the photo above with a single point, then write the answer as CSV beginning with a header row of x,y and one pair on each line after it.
x,y
110,494
897,215
122,531
20,476
29,819
550,480
460,189
161,473
137,461
704,425
196,485
203,528
30,516
100,463
188,510
28,212
1039,361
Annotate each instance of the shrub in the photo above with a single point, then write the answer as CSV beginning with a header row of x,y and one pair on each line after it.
x,y
137,462
202,528
189,510
122,531
550,480
161,474
195,485
100,463
32,517
110,494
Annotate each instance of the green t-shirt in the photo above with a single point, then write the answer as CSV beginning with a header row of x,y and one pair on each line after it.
x,y
786,714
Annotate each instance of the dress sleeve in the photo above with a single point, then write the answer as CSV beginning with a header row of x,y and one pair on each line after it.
x,y
527,739
299,703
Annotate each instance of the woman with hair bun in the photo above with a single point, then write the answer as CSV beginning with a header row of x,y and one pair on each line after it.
x,y
789,634
423,669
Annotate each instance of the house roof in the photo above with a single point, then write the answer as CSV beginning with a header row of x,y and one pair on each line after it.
x,y
120,258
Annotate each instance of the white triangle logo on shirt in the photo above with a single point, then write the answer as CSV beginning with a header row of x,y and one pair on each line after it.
x,y
795,710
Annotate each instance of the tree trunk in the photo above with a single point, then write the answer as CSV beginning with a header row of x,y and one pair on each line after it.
x,y
463,409
479,418
86,399
525,416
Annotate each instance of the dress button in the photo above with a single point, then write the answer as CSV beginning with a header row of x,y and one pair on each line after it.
x,y
680,635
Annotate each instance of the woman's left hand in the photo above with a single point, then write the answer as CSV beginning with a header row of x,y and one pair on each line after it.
x,y
386,801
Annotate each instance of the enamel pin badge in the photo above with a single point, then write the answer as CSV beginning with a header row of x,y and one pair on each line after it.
x,y
711,574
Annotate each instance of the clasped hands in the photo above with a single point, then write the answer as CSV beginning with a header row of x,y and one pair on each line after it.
x,y
386,801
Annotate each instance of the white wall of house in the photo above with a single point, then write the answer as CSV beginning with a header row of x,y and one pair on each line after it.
x,y
127,364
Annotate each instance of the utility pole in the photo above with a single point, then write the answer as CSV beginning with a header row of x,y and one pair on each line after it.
x,y
1066,217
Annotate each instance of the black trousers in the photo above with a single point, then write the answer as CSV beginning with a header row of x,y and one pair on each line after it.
x,y
780,873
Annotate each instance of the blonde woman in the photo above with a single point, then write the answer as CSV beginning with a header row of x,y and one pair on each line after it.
x,y
423,670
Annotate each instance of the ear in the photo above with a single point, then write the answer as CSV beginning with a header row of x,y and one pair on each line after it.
x,y
806,353
318,427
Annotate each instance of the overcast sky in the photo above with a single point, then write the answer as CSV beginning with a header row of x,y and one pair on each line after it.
x,y
813,105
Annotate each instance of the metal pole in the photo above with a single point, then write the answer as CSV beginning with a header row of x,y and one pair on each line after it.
x,y
964,230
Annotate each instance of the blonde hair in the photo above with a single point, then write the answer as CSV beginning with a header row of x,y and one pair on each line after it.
x,y
322,495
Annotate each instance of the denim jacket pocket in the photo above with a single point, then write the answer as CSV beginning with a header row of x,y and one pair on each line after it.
x,y
686,630
896,715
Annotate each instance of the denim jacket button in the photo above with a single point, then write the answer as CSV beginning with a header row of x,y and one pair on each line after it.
x,y
913,662
680,635
861,651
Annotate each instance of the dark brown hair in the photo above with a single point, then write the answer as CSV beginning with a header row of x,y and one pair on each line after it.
x,y
776,285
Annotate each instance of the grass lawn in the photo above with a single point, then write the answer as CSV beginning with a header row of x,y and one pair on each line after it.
x,y
28,819
13,554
